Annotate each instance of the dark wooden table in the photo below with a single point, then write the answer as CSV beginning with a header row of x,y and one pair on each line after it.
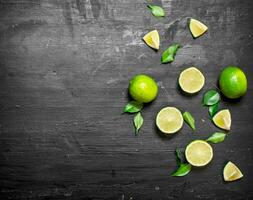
x,y
64,72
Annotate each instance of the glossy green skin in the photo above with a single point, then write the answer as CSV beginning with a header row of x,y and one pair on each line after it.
x,y
233,82
143,88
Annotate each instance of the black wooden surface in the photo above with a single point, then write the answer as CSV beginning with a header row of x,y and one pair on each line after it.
x,y
64,72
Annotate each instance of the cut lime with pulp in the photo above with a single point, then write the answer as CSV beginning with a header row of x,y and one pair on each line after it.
x,y
199,153
231,172
152,39
223,119
169,120
191,80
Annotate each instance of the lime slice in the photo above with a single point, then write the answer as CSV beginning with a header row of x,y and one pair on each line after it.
x,y
223,119
152,39
199,153
197,28
191,80
231,172
169,120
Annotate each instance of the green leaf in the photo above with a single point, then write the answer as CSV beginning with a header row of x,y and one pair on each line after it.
x,y
211,97
213,109
189,119
183,170
216,137
169,54
138,121
178,157
133,107
157,11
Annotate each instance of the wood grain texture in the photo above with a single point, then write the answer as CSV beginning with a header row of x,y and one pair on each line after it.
x,y
64,72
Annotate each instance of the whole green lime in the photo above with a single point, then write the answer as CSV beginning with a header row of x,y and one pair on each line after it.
x,y
143,88
233,82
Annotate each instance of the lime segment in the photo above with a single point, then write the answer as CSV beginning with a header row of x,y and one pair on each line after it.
x,y
231,172
223,119
197,28
152,39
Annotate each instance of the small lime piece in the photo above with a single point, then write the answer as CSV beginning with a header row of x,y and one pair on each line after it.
x,y
231,172
197,28
152,39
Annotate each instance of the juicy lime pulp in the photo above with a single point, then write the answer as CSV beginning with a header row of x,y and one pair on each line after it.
x,y
169,120
199,153
152,39
143,88
231,172
233,82
197,28
222,119
191,80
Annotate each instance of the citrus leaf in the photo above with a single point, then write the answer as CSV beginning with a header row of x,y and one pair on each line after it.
x,y
183,170
169,54
179,157
213,109
133,107
211,97
138,121
189,120
157,11
216,137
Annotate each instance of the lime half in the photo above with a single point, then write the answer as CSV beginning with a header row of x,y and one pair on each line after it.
x,y
191,80
199,153
169,120
223,119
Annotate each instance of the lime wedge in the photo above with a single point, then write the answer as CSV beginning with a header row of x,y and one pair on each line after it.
x,y
223,119
231,172
197,28
152,39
